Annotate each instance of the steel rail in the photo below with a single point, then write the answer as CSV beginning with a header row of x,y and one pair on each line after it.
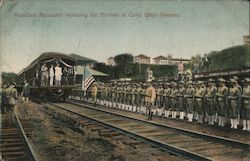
x,y
173,149
220,139
30,150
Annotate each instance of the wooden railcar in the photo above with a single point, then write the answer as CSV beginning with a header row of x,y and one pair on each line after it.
x,y
33,75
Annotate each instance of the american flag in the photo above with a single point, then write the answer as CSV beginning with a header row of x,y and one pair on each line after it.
x,y
87,79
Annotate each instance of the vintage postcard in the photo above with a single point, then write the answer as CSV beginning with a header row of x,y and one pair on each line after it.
x,y
124,80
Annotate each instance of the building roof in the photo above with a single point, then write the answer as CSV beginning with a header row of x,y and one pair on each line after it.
x,y
80,71
161,57
81,58
180,59
143,56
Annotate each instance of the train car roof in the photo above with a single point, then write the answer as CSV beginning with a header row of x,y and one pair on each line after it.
x,y
45,56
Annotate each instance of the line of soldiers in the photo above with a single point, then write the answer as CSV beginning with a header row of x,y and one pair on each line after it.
x,y
227,104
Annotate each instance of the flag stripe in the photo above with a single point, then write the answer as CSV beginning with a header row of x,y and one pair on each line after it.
x,y
87,79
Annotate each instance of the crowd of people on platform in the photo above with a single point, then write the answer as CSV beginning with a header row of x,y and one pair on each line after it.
x,y
52,75
214,102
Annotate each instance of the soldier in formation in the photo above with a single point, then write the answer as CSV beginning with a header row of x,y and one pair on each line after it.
x,y
210,101
189,101
245,114
200,101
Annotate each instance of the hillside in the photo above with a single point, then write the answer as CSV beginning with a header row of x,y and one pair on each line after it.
x,y
230,58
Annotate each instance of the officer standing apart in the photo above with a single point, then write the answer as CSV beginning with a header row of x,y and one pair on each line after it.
x,y
150,99
11,94
26,91
94,93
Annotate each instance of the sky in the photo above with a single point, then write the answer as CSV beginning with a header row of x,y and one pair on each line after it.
x,y
186,28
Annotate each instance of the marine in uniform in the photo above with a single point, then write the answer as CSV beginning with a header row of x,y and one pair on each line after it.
x,y
173,99
129,88
137,96
221,102
199,100
210,101
143,96
240,126
113,95
180,100
124,95
118,95
246,105
189,101
94,93
234,102
166,98
159,95
106,94
133,98
150,99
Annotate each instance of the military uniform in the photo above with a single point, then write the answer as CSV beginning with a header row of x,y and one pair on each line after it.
x,y
159,95
166,99
94,93
133,97
210,101
246,105
129,88
124,97
150,100
189,101
11,95
221,102
138,96
106,94
199,100
234,102
180,100
102,94
173,99
143,96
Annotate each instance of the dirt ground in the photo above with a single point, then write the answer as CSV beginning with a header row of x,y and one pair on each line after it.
x,y
54,139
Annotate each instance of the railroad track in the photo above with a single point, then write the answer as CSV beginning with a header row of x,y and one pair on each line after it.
x,y
189,144
14,141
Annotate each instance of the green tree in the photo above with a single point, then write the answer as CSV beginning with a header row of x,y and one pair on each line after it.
x,y
8,78
123,66
105,69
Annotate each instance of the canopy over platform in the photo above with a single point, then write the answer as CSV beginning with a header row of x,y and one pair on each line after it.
x,y
47,56
80,71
